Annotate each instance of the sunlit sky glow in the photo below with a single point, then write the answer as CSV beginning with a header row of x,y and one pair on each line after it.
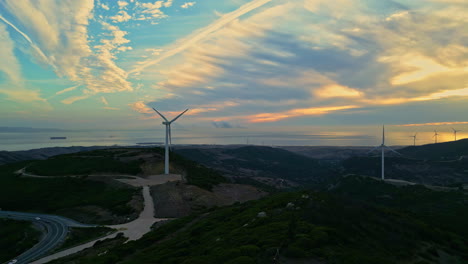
x,y
271,65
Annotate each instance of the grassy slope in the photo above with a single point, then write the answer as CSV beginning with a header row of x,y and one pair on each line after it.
x,y
102,161
335,228
52,195
78,236
15,238
83,163
420,171
265,161
445,150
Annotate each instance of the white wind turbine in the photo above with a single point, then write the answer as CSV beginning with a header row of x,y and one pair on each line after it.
x,y
168,123
382,147
435,135
414,139
455,133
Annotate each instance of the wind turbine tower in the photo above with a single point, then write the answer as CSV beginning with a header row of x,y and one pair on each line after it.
x,y
455,133
414,139
382,147
435,136
168,123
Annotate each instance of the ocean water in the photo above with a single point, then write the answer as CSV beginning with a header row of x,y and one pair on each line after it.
x,y
33,140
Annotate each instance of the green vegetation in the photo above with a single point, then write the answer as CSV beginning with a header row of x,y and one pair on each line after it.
x,y
61,195
447,210
84,163
307,226
15,238
263,162
420,171
440,151
195,173
77,236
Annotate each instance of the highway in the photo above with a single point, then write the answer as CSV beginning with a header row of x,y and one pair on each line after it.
x,y
55,227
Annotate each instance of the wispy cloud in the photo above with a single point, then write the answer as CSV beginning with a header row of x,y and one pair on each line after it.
x,y
67,89
194,38
435,124
188,4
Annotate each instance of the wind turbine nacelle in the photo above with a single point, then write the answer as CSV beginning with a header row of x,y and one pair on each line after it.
x,y
166,123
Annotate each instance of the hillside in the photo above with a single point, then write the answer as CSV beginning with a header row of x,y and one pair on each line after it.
x,y
273,166
340,226
440,151
40,154
420,171
96,200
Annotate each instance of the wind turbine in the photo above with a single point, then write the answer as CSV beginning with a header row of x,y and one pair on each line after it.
x,y
382,147
455,133
435,136
414,139
168,123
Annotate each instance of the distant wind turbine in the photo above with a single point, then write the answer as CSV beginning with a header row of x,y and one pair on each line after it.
x,y
168,138
382,147
414,139
455,133
435,136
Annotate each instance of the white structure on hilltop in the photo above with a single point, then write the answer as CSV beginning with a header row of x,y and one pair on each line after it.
x,y
382,147
455,133
168,123
414,139
435,136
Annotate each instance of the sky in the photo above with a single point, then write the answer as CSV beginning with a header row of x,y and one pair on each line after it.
x,y
282,66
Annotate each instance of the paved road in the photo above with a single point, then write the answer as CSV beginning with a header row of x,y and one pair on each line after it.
x,y
133,230
56,231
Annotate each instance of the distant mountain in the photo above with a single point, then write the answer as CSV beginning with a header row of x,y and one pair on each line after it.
x,y
440,151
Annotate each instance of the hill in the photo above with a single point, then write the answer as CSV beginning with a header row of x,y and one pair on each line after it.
x,y
40,154
429,172
96,200
273,166
440,151
339,226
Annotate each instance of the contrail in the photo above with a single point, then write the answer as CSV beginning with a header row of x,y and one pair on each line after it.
x,y
201,33
28,39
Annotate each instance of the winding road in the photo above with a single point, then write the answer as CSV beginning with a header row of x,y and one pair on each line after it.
x,y
56,231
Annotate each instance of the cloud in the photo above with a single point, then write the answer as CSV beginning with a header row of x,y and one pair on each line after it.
x,y
14,86
104,101
222,124
313,111
121,16
67,90
188,4
141,107
122,4
200,34
71,100
435,124
60,29
104,6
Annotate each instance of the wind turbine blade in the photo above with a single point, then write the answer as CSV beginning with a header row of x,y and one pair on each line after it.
x,y
373,149
394,151
160,115
179,115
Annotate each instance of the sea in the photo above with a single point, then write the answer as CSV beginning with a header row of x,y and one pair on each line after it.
x,y
12,141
